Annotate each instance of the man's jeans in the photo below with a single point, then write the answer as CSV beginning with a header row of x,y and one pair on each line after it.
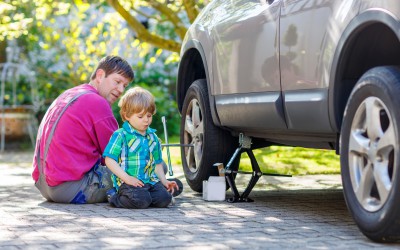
x,y
95,185
91,188
141,197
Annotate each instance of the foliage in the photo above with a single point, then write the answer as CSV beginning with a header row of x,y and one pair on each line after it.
x,y
66,39
165,102
22,93
175,14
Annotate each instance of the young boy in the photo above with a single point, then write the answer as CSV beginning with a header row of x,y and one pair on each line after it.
x,y
134,156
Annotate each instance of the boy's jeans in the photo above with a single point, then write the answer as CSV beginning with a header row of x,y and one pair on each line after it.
x,y
141,197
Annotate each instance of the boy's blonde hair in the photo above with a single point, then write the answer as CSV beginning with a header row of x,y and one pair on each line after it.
x,y
136,100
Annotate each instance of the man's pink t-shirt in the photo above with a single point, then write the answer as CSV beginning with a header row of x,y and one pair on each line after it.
x,y
80,137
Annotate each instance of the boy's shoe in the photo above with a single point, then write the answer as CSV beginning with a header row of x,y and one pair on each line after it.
x,y
110,193
180,185
172,202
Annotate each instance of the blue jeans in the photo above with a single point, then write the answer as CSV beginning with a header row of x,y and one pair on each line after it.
x,y
91,188
141,197
94,186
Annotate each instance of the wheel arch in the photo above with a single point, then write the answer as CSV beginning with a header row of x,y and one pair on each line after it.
x,y
193,66
363,45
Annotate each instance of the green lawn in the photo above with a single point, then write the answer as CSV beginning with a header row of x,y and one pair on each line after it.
x,y
283,160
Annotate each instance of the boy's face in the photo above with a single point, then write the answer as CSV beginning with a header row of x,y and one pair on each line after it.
x,y
112,86
140,121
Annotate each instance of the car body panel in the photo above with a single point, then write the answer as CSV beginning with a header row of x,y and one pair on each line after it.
x,y
380,5
257,111
366,16
308,36
247,81
244,44
271,69
308,73
309,32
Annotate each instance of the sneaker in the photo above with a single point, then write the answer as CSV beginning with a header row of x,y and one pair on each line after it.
x,y
110,193
180,185
172,202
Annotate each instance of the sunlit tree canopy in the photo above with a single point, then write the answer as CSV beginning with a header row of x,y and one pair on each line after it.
x,y
63,40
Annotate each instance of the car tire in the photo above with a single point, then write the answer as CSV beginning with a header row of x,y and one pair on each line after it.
x,y
211,143
370,154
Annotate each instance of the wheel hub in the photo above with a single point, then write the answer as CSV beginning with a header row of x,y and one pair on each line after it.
x,y
194,133
372,143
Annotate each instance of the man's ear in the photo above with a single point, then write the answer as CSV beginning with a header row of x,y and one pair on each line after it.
x,y
100,74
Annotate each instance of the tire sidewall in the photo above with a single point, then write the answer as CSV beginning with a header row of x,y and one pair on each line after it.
x,y
385,87
196,91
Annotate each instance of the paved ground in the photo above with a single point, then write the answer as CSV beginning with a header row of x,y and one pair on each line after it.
x,y
299,212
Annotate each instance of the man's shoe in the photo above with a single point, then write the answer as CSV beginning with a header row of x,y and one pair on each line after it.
x,y
180,185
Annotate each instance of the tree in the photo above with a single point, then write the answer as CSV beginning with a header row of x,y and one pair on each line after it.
x,y
72,33
163,11
62,40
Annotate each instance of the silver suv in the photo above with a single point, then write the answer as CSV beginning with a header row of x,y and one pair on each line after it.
x,y
311,73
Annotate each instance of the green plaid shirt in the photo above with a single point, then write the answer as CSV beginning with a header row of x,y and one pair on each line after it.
x,y
136,154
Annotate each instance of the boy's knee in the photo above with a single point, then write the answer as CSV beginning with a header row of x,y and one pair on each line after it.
x,y
163,199
140,204
127,202
163,203
135,199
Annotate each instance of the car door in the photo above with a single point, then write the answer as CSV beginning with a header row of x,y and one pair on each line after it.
x,y
309,33
246,75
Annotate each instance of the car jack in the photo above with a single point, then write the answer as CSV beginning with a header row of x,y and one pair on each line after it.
x,y
244,146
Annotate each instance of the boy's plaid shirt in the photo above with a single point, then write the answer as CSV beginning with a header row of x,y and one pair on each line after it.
x,y
136,154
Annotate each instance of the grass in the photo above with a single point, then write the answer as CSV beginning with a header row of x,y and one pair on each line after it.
x,y
294,161
282,160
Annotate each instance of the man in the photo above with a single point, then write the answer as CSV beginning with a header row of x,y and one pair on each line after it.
x,y
73,134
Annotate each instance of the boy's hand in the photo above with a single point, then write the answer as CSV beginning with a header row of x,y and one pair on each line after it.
x,y
133,181
171,186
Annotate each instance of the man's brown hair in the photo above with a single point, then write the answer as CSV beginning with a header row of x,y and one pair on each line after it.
x,y
114,64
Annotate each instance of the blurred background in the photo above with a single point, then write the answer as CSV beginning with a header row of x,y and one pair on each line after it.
x,y
47,47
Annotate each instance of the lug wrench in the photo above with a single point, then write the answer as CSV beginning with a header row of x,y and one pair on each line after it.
x,y
171,173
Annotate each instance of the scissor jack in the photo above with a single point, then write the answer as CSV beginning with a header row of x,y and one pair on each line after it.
x,y
244,146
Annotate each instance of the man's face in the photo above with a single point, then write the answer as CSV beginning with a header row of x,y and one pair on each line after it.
x,y
112,86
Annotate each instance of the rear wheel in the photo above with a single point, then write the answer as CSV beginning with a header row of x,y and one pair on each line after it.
x,y
370,154
211,143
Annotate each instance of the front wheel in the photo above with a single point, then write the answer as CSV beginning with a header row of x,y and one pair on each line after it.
x,y
211,143
370,154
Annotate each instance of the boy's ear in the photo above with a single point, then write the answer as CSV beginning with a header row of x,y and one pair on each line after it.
x,y
123,116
